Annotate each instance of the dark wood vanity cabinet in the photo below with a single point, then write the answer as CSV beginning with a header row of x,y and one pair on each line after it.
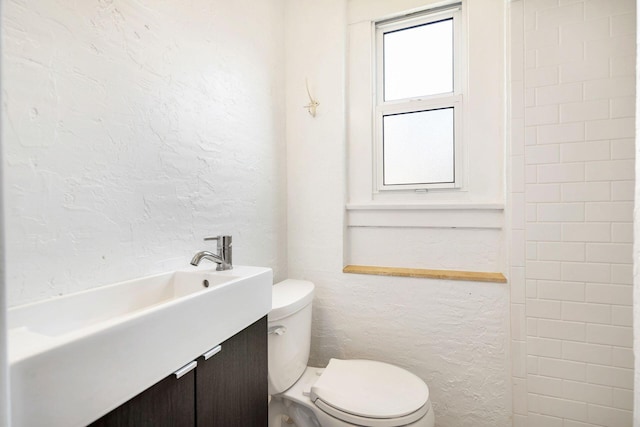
x,y
231,387
227,390
169,403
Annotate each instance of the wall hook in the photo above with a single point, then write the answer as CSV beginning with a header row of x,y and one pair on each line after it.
x,y
313,104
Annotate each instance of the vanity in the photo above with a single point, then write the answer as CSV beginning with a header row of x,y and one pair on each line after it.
x,y
181,348
226,389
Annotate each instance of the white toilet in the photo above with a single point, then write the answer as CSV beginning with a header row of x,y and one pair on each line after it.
x,y
345,393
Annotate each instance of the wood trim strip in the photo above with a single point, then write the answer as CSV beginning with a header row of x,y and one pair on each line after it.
x,y
472,276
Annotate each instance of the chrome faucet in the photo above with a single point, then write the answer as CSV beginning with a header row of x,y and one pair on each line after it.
x,y
224,256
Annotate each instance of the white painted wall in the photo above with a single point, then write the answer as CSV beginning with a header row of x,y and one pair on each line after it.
x,y
454,335
4,368
636,251
131,130
572,154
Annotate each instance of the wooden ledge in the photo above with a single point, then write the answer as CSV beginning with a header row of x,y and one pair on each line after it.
x,y
471,276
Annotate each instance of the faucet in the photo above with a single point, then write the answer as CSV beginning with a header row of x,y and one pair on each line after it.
x,y
224,256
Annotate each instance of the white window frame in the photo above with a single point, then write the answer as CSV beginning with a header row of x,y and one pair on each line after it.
x,y
424,103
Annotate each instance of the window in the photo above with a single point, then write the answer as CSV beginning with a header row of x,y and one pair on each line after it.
x,y
428,127
418,109
418,175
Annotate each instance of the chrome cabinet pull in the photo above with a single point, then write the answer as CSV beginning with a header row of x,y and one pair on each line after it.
x,y
215,350
185,369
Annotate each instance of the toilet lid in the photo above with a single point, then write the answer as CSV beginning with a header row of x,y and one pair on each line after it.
x,y
370,389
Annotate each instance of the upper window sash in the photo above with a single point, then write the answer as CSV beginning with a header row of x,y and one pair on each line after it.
x,y
450,12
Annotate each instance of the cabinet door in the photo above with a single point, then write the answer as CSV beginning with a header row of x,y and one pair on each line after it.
x,y
231,387
169,403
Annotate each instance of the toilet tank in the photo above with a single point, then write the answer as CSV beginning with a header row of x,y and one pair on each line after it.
x,y
289,333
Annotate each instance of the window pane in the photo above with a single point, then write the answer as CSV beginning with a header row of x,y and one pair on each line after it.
x,y
418,61
418,147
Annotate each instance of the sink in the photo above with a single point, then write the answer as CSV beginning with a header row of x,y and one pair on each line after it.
x,y
76,357
81,310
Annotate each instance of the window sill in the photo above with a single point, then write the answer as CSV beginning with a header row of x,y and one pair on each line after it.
x,y
471,276
425,206
433,215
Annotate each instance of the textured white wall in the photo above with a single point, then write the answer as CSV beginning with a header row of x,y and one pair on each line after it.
x,y
133,129
573,96
454,335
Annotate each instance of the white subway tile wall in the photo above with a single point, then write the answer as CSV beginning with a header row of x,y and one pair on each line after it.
x,y
572,143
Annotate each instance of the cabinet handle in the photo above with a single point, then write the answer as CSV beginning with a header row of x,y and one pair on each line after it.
x,y
185,369
215,350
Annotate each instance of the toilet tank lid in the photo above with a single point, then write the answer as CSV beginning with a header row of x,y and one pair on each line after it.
x,y
290,296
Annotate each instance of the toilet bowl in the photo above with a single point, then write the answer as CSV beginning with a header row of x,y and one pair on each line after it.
x,y
347,392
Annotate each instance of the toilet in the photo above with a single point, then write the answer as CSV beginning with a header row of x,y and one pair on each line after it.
x,y
347,392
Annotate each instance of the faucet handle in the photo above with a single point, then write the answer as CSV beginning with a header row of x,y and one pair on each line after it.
x,y
223,241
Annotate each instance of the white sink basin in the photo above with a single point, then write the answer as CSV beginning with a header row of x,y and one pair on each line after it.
x,y
81,310
74,358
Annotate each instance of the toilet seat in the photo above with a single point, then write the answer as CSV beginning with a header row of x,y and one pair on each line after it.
x,y
370,393
372,422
